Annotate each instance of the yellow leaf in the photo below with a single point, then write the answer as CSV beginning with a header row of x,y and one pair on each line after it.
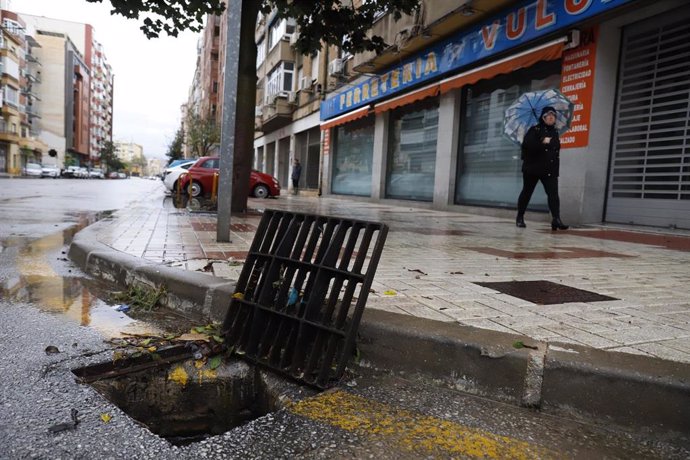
x,y
151,349
199,363
118,355
238,295
390,292
179,375
106,418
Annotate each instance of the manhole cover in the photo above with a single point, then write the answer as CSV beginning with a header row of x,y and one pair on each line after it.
x,y
545,292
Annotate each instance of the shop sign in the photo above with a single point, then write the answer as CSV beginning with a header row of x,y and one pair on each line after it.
x,y
577,81
326,150
526,21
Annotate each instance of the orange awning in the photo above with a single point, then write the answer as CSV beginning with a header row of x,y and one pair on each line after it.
x,y
546,52
408,98
346,118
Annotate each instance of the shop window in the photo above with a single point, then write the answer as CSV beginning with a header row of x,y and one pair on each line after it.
x,y
489,165
412,151
352,158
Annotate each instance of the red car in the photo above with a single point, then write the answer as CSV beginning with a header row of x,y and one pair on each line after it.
x,y
261,185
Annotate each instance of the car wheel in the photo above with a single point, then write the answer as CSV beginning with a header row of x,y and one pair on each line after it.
x,y
261,191
174,187
196,189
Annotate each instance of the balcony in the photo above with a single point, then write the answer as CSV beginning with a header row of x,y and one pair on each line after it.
x,y
280,52
278,113
7,134
33,111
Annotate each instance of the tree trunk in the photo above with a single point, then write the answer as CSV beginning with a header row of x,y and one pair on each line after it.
x,y
246,101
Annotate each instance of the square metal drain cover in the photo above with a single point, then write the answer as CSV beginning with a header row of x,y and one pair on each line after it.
x,y
545,292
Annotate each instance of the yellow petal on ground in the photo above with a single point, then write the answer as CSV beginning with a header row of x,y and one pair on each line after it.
x,y
106,418
390,292
199,363
414,432
238,295
179,375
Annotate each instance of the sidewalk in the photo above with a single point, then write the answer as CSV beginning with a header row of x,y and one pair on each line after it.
x,y
433,260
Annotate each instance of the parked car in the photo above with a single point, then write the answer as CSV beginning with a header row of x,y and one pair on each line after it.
x,y
50,171
113,175
171,175
72,171
96,173
33,170
179,162
261,185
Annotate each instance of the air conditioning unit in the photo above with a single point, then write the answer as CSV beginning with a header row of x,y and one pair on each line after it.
x,y
288,37
305,83
293,38
335,67
292,96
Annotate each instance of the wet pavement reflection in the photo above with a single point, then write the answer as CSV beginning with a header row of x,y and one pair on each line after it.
x,y
45,278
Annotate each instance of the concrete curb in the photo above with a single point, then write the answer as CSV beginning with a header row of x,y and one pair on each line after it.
x,y
195,295
634,391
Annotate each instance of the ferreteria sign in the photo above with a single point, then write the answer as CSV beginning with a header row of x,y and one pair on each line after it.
x,y
522,23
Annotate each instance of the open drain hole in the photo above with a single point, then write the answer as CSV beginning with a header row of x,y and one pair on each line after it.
x,y
183,402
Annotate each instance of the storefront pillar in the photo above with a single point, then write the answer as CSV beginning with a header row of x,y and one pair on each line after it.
x,y
447,148
378,165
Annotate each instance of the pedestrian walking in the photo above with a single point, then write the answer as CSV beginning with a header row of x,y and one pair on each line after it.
x,y
296,172
540,163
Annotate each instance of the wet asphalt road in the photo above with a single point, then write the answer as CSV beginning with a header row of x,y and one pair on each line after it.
x,y
47,302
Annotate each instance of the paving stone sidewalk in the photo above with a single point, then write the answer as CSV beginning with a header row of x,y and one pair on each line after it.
x,y
433,261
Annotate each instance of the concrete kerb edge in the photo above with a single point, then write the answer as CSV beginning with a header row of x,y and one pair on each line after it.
x,y
632,391
197,296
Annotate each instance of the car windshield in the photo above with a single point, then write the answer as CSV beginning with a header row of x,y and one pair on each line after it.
x,y
33,166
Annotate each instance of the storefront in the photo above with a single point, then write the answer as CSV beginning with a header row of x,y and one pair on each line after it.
x,y
433,126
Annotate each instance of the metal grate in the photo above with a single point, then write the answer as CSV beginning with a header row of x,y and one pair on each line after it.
x,y
291,311
650,169
545,292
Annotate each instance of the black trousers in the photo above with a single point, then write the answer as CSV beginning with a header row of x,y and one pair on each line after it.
x,y
295,183
550,183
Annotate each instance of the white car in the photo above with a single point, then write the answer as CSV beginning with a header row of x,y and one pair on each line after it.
x,y
171,175
33,170
96,173
50,171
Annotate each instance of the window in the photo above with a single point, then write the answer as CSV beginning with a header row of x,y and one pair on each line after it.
x,y
260,52
412,151
486,156
279,81
210,164
352,158
215,87
11,96
279,29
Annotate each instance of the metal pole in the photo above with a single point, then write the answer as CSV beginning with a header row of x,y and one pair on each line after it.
x,y
227,130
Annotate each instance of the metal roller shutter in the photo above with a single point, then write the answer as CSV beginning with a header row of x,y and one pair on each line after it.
x,y
650,165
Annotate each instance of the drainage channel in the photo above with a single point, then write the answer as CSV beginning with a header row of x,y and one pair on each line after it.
x,y
185,400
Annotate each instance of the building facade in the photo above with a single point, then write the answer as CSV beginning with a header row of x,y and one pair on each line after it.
x,y
425,124
21,107
78,104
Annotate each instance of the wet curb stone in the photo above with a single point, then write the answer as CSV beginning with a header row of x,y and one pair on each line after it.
x,y
638,392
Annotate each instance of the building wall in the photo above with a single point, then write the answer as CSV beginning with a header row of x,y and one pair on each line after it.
x,y
51,53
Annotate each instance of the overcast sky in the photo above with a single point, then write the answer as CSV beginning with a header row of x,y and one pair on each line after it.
x,y
152,77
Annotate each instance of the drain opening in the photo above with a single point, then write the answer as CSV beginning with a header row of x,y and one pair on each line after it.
x,y
179,398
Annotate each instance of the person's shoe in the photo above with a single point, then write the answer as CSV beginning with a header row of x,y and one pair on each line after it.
x,y
520,222
556,224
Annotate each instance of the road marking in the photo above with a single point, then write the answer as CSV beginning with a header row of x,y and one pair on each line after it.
x,y
413,432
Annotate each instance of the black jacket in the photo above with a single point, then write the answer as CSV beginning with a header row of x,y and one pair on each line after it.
x,y
539,159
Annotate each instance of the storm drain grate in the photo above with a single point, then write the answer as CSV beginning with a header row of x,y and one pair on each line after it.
x,y
545,292
291,310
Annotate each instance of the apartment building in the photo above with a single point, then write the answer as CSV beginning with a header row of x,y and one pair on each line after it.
x,y
21,107
77,105
421,122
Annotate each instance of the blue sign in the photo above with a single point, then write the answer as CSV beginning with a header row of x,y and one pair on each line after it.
x,y
522,23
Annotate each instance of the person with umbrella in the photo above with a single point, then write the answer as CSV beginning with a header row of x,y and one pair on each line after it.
x,y
540,163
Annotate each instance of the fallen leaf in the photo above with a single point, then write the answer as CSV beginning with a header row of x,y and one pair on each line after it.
x,y
215,362
106,418
416,270
238,295
390,292
193,336
199,363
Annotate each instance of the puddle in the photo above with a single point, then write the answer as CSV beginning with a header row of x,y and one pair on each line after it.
x,y
44,277
194,204
184,400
